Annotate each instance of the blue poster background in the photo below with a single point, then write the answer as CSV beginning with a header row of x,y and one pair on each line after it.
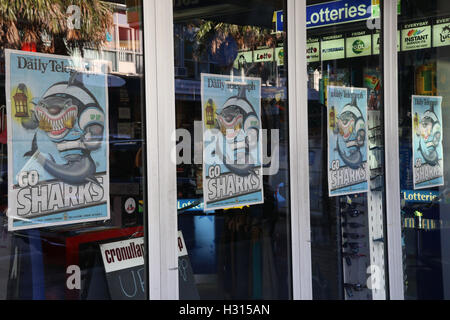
x,y
28,69
215,89
348,168
427,145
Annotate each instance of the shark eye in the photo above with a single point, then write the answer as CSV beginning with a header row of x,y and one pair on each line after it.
x,y
68,103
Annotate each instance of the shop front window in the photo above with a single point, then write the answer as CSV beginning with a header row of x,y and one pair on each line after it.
x,y
346,141
233,165
424,66
71,138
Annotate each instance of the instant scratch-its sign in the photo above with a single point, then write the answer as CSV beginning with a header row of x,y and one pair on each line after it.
x,y
58,169
232,153
348,168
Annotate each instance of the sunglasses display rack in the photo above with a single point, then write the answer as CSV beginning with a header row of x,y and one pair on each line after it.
x,y
363,241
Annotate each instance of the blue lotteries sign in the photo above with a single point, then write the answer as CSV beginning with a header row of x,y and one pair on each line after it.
x,y
419,196
190,205
337,12
331,13
278,19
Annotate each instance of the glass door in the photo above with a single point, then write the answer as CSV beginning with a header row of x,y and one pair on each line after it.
x,y
424,66
346,141
233,159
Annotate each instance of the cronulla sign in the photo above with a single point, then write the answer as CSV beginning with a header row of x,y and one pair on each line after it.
x,y
337,12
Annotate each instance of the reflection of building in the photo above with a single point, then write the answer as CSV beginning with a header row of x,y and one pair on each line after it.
x,y
124,43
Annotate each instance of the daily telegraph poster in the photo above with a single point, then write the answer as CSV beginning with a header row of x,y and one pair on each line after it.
x,y
348,167
58,169
428,157
232,153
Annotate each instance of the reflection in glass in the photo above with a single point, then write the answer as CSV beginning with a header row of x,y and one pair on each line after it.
x,y
71,138
423,101
242,252
346,150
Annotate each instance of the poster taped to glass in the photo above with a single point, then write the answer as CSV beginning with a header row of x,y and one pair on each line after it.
x,y
232,152
348,168
58,148
428,157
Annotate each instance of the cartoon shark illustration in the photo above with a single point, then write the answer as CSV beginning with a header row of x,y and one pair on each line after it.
x,y
430,133
73,120
351,131
239,124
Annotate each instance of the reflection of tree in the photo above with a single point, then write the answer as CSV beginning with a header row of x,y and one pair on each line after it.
x,y
45,24
211,35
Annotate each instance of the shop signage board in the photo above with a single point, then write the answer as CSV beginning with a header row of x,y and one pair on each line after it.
x,y
188,289
232,151
348,169
425,196
188,203
338,12
124,268
278,20
313,50
427,137
376,42
332,48
263,55
376,8
359,44
441,32
279,56
335,12
416,36
57,140
243,59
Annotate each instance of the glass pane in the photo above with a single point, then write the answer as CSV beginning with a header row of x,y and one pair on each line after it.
x,y
345,108
71,138
424,65
233,176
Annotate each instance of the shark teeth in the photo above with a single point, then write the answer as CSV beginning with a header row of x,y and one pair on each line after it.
x,y
56,124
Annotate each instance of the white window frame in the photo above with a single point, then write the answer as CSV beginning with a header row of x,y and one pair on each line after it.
x,y
299,151
392,153
161,168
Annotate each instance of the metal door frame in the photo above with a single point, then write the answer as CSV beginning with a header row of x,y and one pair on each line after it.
x,y
299,150
161,168
392,154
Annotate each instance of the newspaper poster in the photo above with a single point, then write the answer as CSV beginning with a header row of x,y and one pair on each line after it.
x,y
232,152
348,167
58,169
428,156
